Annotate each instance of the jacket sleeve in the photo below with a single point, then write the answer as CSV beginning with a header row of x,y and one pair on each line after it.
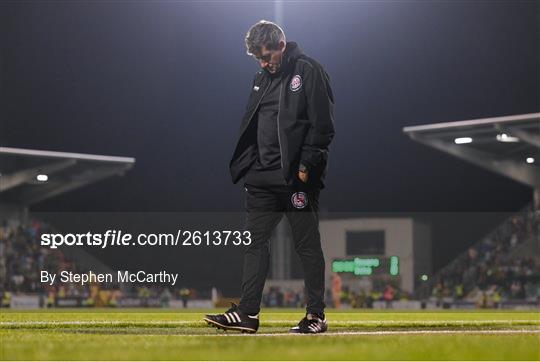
x,y
320,111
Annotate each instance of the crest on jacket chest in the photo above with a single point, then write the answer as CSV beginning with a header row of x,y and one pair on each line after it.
x,y
296,83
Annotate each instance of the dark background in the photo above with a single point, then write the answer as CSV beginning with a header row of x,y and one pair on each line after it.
x,y
167,82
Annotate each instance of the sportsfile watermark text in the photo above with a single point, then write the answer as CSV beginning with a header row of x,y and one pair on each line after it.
x,y
119,238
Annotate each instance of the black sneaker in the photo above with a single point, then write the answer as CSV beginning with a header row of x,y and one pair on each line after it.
x,y
234,319
311,323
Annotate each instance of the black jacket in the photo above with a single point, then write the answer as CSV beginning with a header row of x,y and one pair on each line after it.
x,y
305,120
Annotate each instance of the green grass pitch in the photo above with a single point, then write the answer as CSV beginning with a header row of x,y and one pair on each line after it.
x,y
152,334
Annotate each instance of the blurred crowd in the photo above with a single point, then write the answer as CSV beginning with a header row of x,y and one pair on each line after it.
x,y
364,298
497,268
337,296
22,258
289,298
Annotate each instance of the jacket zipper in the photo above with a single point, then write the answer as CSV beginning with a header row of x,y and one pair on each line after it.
x,y
255,109
278,137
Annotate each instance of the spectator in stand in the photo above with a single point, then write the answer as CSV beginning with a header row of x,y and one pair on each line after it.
x,y
336,290
388,295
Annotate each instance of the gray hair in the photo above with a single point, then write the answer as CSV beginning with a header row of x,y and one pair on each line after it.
x,y
263,34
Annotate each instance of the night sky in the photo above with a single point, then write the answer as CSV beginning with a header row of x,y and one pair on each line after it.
x,y
167,83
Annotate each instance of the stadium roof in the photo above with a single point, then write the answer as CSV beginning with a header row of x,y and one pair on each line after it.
x,y
30,176
508,145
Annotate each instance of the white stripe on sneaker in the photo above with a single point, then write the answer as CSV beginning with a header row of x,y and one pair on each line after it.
x,y
237,317
227,316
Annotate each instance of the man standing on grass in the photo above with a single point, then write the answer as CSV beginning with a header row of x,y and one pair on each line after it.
x,y
282,154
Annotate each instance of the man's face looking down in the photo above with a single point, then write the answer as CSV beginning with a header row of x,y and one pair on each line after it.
x,y
271,59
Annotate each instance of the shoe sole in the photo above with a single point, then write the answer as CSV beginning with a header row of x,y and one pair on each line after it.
x,y
225,328
296,331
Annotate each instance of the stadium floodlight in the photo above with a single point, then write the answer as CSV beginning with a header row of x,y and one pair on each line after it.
x,y
504,137
530,160
42,178
462,140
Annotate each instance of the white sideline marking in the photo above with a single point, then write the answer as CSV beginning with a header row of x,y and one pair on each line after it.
x,y
375,333
426,322
281,334
272,322
89,323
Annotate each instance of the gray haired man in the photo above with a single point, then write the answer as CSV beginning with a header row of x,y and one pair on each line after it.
x,y
281,154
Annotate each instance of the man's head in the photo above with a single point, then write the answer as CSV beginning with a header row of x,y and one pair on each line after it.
x,y
265,41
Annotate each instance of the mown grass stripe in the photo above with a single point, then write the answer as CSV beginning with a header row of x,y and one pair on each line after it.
x,y
377,333
270,323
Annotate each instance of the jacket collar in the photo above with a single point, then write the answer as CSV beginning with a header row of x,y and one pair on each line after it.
x,y
290,55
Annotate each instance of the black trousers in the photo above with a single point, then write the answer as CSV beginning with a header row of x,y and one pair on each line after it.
x,y
265,206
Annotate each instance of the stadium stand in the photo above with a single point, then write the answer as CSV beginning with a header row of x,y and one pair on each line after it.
x,y
504,267
30,176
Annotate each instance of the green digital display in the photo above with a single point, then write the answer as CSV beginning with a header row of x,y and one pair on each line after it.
x,y
394,265
367,266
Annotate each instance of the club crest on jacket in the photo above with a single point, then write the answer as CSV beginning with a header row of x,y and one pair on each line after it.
x,y
296,83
